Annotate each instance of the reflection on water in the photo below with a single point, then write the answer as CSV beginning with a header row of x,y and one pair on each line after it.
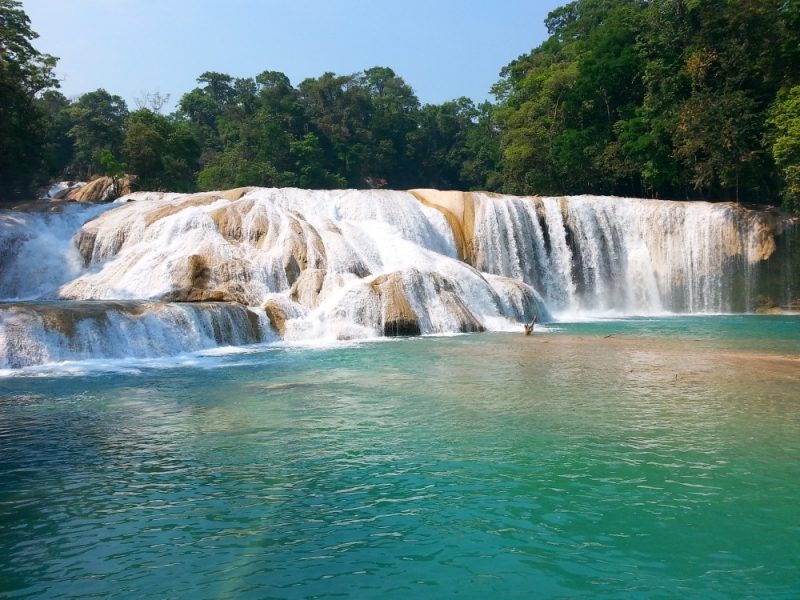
x,y
601,460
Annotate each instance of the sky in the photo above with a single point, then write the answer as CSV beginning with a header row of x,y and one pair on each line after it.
x,y
444,49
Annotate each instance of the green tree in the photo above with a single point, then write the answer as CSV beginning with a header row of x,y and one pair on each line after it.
x,y
390,121
481,163
310,165
24,73
338,109
162,152
667,98
98,124
440,144
111,167
712,69
58,145
785,145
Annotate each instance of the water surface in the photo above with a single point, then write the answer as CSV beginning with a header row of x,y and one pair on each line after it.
x,y
651,458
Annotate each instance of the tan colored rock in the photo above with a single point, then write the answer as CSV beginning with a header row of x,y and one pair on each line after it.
x,y
459,210
100,190
467,322
202,284
304,249
399,319
235,193
277,315
65,320
308,286
163,211
229,221
280,310
85,240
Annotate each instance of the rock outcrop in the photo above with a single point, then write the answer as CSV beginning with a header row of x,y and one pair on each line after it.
x,y
399,319
102,189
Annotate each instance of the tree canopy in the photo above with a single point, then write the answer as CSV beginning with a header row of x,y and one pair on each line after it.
x,y
24,72
663,98
672,99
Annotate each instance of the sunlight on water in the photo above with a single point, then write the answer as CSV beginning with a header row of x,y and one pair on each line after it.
x,y
626,458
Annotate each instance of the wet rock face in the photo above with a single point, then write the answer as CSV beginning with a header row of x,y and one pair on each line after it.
x,y
196,288
459,210
307,288
281,311
277,316
34,333
398,317
12,235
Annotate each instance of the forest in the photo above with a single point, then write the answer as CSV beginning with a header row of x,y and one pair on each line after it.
x,y
672,99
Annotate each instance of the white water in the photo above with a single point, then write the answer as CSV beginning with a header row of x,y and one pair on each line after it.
x,y
348,265
598,255
54,332
37,254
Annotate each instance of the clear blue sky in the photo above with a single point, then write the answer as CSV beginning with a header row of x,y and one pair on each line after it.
x,y
442,48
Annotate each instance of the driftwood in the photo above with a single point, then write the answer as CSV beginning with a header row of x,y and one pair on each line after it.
x,y
529,326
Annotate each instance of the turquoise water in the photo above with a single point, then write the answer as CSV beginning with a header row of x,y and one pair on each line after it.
x,y
662,461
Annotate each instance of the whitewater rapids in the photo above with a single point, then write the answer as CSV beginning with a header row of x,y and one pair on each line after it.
x,y
162,274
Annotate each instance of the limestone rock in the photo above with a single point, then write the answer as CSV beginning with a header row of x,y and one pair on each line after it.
x,y
308,286
236,193
201,283
517,300
399,319
459,210
280,310
99,190
173,208
467,322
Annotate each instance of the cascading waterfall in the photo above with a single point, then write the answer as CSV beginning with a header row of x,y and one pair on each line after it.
x,y
37,333
162,274
598,255
37,253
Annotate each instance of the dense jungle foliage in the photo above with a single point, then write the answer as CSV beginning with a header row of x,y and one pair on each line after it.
x,y
681,99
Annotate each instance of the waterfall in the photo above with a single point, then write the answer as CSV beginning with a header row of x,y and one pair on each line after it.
x,y
599,255
50,332
159,274
37,254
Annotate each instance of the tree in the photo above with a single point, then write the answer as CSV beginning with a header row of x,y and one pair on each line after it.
x,y
310,165
58,146
390,121
785,145
98,124
155,101
24,73
111,167
162,152
667,98
440,144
